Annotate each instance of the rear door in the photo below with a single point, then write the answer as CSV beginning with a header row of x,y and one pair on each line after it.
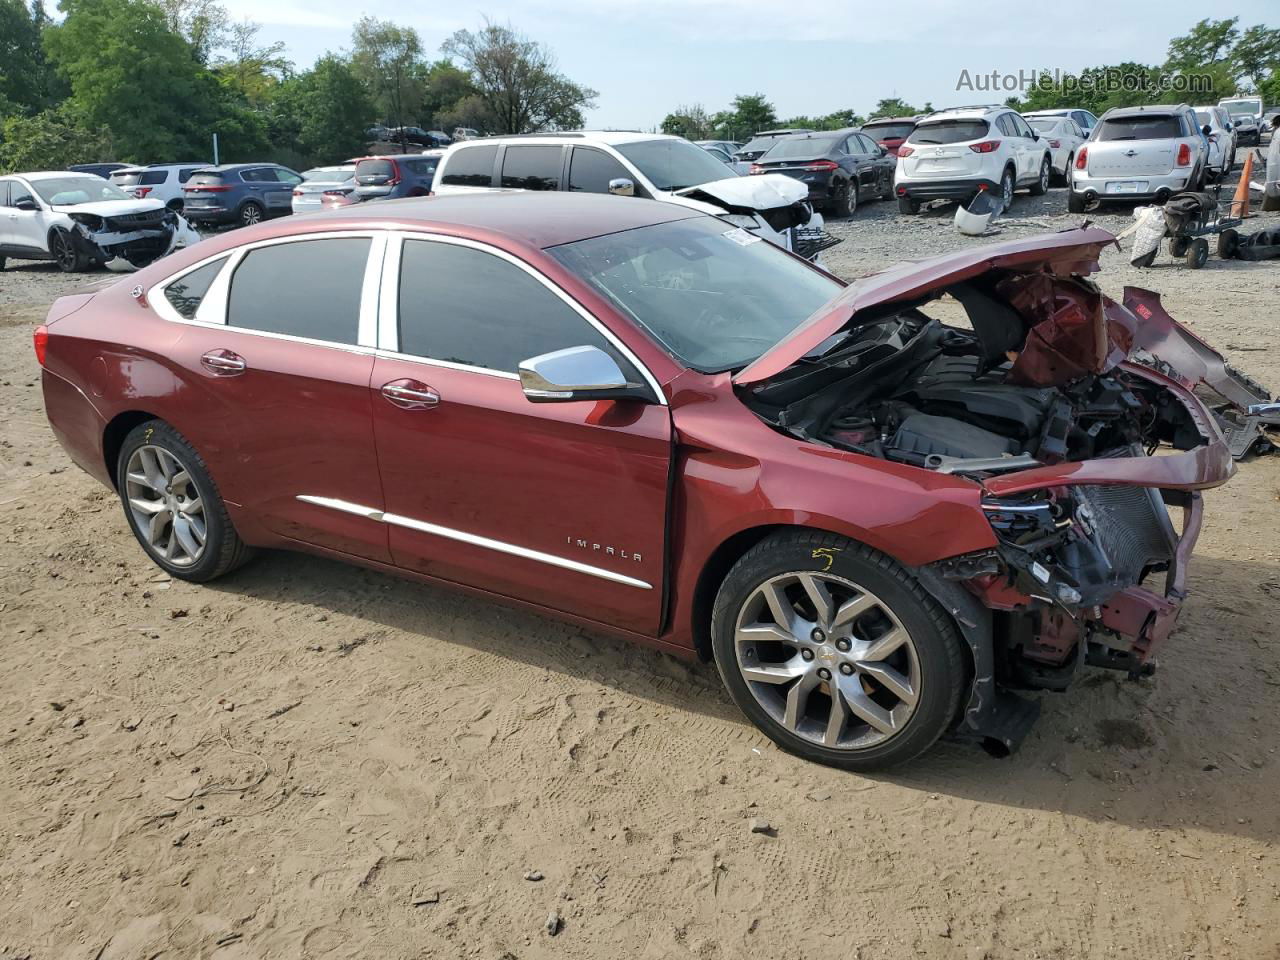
x,y
559,504
275,342
280,188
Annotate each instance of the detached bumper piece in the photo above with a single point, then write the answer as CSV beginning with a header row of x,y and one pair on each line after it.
x,y
808,243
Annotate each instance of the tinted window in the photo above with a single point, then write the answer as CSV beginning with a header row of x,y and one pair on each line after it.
x,y
306,289
868,145
260,175
154,176
123,178
424,166
591,170
208,179
1156,127
465,306
185,293
532,168
185,175
949,131
470,167
889,131
375,171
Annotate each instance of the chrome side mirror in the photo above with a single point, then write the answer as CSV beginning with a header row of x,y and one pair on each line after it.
x,y
577,373
622,187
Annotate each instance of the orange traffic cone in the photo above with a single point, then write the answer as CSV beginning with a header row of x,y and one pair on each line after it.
x,y
1240,202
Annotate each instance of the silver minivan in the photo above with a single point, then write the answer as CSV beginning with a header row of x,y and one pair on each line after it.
x,y
1139,153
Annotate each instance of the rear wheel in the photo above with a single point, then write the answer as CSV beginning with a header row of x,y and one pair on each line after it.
x,y
835,652
1006,190
1198,253
173,506
1066,170
250,213
844,200
908,205
1228,244
1041,186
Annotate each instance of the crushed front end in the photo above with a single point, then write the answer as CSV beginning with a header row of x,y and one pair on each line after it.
x,y
130,240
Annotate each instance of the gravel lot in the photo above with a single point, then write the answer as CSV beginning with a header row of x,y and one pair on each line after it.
x,y
310,760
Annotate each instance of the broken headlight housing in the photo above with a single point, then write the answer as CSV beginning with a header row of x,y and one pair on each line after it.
x,y
90,221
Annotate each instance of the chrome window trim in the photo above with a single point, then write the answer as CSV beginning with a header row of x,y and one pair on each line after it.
x,y
212,312
389,326
373,513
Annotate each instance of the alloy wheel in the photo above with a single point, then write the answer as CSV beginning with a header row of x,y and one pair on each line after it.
x,y
166,507
1044,177
64,251
1006,190
250,214
828,660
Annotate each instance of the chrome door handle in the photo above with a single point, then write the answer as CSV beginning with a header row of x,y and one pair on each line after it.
x,y
410,394
223,363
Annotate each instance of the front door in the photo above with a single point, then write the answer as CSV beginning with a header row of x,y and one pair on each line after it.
x,y
24,231
277,396
559,504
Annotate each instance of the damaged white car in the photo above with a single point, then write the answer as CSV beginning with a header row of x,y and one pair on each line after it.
x,y
81,221
773,206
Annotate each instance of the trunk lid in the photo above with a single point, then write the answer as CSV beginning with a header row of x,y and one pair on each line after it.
x,y
1075,251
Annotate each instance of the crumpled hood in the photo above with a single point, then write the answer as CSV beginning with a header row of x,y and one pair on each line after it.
x,y
1070,251
111,208
766,192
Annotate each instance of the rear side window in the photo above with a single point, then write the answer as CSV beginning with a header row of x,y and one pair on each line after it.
x,y
591,170
949,131
470,167
463,305
186,293
532,168
1159,127
260,175
308,288
154,176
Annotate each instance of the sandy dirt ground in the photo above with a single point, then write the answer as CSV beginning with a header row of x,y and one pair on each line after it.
x,y
308,760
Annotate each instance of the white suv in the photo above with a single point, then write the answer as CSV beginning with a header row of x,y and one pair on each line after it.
x,y
774,207
160,181
959,153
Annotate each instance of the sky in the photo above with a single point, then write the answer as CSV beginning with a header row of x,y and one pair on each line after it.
x,y
646,57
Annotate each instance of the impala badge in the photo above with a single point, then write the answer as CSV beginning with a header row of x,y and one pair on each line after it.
x,y
603,549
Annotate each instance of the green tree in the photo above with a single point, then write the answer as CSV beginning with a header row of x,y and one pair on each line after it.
x,y
254,72
329,109
690,122
752,112
518,80
1256,54
205,24
24,72
50,140
387,59
894,107
444,88
1208,42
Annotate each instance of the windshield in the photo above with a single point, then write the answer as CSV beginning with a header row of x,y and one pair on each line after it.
x,y
949,131
888,131
800,147
713,295
673,164
71,191
1238,107
1145,127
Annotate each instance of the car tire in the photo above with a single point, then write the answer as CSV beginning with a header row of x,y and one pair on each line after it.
x,y
885,191
895,661
175,204
1228,244
65,254
908,205
2,262
1075,202
1066,170
1178,247
173,506
1007,185
251,213
839,205
1041,186
1197,253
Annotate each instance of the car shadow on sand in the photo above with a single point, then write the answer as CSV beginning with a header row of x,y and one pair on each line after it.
x,y
1191,748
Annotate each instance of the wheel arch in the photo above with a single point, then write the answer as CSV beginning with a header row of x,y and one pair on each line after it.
x,y
113,437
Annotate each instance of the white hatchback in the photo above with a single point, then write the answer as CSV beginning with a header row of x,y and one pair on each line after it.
x,y
957,154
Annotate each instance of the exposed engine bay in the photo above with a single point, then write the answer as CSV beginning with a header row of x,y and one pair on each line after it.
x,y
1040,379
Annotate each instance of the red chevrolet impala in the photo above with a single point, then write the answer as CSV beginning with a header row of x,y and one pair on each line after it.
x,y
647,420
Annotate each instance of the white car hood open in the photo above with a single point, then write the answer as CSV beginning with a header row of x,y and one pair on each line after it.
x,y
764,192
110,208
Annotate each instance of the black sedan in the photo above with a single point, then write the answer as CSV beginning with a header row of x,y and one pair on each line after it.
x,y
840,167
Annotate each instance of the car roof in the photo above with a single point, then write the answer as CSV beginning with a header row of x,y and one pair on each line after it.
x,y
52,174
164,166
607,137
537,218
219,168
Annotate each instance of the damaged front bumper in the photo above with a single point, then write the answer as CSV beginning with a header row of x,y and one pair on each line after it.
x,y
124,245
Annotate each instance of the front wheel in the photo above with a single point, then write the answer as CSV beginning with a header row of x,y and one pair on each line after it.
x,y
835,652
65,253
173,506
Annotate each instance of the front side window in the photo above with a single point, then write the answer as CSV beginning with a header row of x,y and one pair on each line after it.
x,y
462,305
716,298
18,191
187,292
471,167
305,288
591,170
532,168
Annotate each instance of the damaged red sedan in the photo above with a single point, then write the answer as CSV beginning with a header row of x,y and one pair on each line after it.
x,y
647,420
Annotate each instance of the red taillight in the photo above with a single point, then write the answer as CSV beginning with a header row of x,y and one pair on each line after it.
x,y
906,151
821,166
207,188
755,169
1184,155
141,192
40,340
1082,158
986,146
1055,144
297,193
